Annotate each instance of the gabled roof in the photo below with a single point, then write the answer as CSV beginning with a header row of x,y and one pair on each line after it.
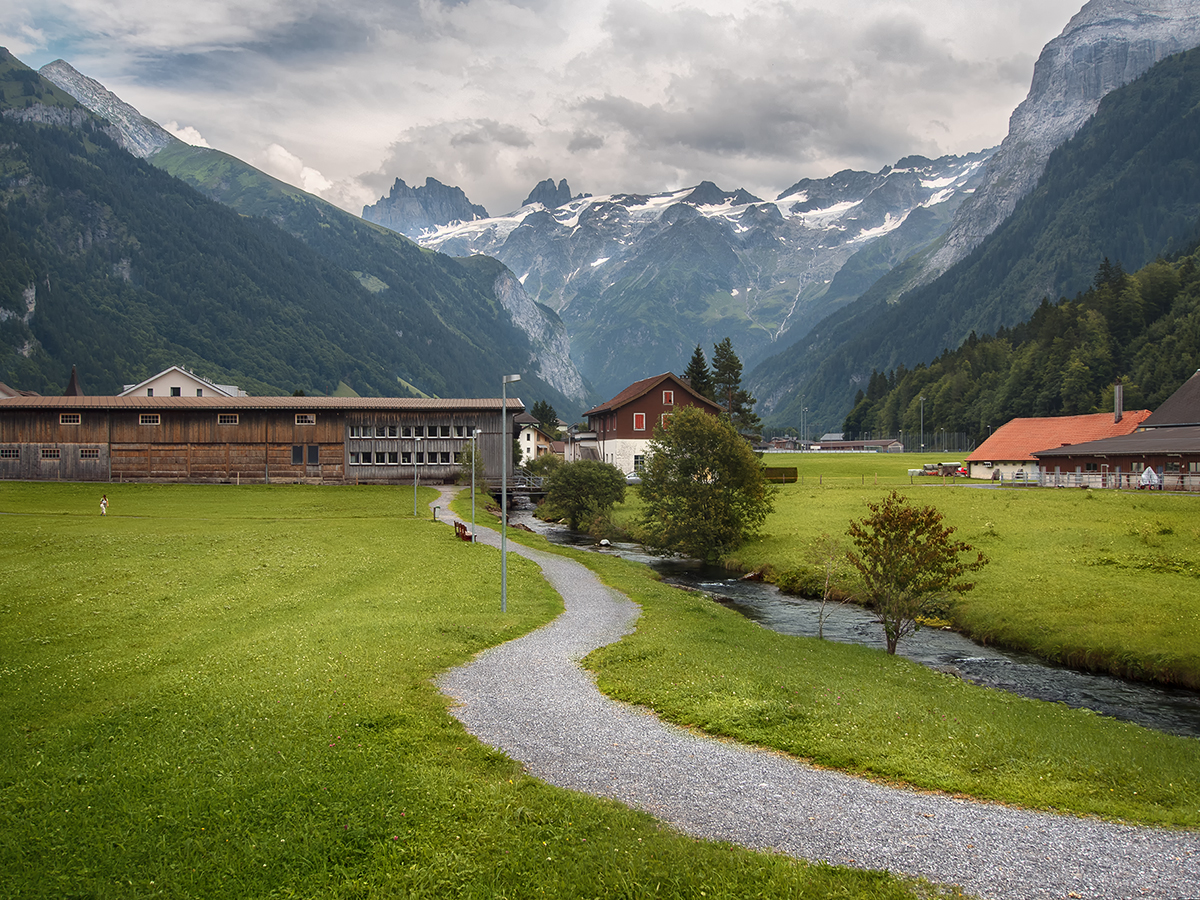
x,y
303,404
1181,408
229,390
645,386
1016,441
1156,441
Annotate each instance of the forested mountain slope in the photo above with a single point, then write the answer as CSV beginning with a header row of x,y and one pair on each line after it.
x,y
1143,329
1126,187
112,264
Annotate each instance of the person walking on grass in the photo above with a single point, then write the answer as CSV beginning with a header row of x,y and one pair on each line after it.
x,y
104,504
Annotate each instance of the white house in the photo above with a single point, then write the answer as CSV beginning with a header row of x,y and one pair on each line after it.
x,y
177,382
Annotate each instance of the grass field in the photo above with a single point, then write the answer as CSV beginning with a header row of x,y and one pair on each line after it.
x,y
226,692
1099,580
701,665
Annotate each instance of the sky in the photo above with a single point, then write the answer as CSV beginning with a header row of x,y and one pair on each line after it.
x,y
494,96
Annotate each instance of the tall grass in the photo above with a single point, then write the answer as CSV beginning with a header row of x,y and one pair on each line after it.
x,y
226,692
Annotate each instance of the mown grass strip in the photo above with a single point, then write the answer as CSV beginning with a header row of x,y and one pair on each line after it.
x,y
226,692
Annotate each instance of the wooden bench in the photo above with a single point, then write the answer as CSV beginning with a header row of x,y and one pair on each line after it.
x,y
461,531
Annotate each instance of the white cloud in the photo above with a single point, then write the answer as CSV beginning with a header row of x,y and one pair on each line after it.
x,y
186,133
495,95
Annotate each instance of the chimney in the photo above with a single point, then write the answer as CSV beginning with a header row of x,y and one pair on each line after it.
x,y
1118,401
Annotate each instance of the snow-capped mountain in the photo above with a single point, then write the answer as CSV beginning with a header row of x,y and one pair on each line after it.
x,y
640,280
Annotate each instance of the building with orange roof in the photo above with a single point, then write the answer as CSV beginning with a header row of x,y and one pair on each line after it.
x,y
1009,453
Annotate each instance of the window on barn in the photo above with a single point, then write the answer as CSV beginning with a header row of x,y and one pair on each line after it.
x,y
149,419
297,454
69,418
306,418
51,453
314,455
227,418
10,453
89,452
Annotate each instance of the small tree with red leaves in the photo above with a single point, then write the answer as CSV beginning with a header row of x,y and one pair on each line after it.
x,y
907,559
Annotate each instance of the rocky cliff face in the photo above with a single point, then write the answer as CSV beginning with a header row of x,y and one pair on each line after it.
x,y
1106,44
417,211
551,356
137,134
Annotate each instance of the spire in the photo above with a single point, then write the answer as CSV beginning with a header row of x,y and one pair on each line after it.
x,y
73,388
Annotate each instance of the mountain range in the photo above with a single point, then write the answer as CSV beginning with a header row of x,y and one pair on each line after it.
x,y
125,269
830,279
637,277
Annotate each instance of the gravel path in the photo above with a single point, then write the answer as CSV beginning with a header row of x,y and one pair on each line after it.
x,y
531,699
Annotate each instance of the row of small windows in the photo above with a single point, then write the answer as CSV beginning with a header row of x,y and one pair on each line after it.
x,y
409,431
402,458
50,453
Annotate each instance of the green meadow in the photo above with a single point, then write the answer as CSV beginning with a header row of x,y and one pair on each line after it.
x,y
222,691
1098,580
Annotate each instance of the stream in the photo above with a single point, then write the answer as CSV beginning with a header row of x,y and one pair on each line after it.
x,y
1172,710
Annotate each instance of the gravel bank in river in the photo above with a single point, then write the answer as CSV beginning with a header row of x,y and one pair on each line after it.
x,y
531,699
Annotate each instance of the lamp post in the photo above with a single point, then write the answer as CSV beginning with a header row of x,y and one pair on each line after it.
x,y
474,451
803,429
504,383
416,473
922,424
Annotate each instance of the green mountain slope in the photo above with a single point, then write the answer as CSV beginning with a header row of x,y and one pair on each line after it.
x,y
115,265
1143,329
1125,187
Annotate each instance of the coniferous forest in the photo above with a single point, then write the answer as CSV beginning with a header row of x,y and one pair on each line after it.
x,y
1142,329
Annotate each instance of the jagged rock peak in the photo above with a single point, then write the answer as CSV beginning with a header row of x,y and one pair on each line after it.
x,y
548,195
137,134
1106,44
417,211
708,194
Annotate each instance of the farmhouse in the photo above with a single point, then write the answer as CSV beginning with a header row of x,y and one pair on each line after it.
x,y
533,439
1168,442
319,440
1010,452
620,430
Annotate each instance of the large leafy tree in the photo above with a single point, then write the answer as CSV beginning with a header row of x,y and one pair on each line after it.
x,y
697,375
584,491
728,390
907,559
704,489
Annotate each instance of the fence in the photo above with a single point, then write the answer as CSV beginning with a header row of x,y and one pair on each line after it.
x,y
1128,481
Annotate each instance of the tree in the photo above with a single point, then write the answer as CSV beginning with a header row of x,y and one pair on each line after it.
x,y
697,375
472,458
704,489
727,388
545,414
584,491
828,553
907,560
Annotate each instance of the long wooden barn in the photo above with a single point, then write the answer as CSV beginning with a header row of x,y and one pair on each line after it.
x,y
318,440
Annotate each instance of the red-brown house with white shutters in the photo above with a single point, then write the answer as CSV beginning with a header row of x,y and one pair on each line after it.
x,y
620,430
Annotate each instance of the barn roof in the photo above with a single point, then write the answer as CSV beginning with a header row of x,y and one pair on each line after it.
x,y
1019,439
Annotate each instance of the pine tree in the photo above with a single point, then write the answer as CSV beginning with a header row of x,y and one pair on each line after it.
x,y
728,391
697,375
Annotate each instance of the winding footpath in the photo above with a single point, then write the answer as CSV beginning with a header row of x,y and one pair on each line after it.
x,y
531,699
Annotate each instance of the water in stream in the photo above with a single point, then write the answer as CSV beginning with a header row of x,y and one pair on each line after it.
x,y
1172,710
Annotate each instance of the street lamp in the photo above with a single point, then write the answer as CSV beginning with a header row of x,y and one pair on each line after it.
x,y
504,383
922,424
474,451
803,428
416,473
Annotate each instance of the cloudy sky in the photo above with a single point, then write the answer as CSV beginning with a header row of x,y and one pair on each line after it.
x,y
495,95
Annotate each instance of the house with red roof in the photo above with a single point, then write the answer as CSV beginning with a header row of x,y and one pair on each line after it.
x,y
620,430
1167,443
1009,454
